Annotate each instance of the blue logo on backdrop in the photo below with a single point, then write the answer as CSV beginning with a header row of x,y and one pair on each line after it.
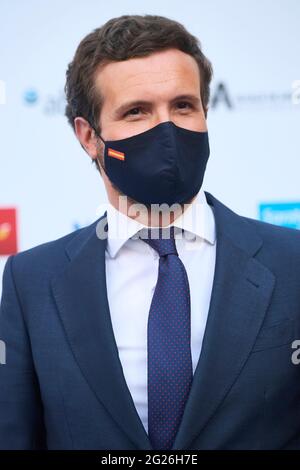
x,y
51,105
284,214
30,96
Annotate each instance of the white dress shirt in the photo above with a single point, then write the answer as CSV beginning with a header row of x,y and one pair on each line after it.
x,y
131,276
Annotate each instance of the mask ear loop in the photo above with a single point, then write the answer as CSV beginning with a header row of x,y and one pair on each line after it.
x,y
97,159
98,135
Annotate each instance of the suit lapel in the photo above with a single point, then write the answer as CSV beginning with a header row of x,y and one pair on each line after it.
x,y
240,297
81,298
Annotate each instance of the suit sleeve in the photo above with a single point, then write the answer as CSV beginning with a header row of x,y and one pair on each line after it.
x,y
21,415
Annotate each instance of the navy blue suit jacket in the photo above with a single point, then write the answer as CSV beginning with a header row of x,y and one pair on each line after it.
x,y
63,387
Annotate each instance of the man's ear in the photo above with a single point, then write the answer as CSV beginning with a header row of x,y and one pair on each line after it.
x,y
86,136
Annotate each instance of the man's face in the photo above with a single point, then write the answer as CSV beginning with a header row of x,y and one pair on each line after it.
x,y
137,95
140,93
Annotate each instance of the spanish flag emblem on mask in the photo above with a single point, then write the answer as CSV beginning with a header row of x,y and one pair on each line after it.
x,y
116,154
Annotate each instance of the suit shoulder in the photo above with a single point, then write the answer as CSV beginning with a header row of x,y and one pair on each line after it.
x,y
49,255
277,236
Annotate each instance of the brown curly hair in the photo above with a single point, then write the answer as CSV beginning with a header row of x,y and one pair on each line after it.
x,y
123,38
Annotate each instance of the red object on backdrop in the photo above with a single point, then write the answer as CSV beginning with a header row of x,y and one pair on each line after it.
x,y
8,232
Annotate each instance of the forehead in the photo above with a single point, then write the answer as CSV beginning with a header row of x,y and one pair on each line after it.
x,y
163,72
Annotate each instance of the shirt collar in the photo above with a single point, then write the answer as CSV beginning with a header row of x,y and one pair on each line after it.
x,y
198,219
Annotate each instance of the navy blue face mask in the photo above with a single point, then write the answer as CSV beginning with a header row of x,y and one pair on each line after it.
x,y
165,164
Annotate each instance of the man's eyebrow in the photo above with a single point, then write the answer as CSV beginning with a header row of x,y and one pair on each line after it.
x,y
135,103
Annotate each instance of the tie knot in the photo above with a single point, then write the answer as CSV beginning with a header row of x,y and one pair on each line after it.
x,y
161,239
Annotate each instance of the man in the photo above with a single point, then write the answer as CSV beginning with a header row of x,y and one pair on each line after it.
x,y
177,332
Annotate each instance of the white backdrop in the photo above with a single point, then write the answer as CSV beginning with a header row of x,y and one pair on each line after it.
x,y
254,120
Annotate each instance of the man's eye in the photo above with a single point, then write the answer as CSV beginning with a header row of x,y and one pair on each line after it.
x,y
184,105
132,112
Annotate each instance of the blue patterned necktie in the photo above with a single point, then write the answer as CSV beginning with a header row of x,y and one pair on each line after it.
x,y
170,372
